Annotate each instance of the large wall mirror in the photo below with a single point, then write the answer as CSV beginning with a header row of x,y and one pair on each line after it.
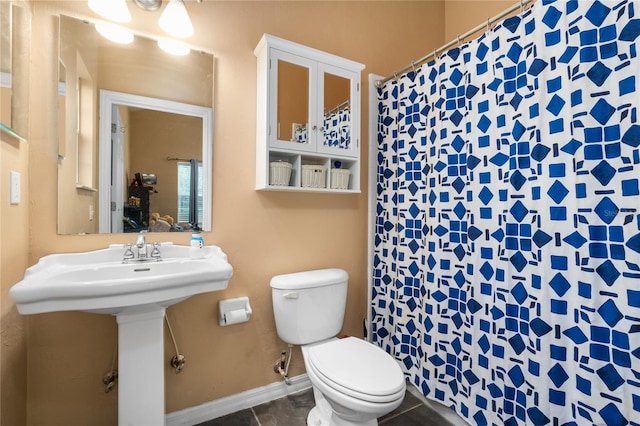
x,y
135,135
15,38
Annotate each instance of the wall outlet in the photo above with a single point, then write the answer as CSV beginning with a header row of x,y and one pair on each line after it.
x,y
14,193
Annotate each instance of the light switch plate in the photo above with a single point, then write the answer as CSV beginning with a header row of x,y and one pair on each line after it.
x,y
14,179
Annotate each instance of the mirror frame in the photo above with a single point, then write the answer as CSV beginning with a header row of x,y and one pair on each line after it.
x,y
109,98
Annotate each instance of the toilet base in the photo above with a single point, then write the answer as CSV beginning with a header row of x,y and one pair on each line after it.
x,y
323,415
315,419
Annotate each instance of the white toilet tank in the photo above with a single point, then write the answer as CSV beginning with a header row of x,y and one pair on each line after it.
x,y
309,306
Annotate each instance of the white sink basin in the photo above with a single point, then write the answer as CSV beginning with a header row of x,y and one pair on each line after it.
x,y
137,293
99,282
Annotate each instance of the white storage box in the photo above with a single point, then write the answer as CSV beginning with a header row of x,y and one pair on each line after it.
x,y
314,176
279,173
340,179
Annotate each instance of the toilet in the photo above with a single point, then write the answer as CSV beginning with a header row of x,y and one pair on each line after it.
x,y
354,382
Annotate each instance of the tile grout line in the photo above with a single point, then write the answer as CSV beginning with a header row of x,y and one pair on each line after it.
x,y
255,416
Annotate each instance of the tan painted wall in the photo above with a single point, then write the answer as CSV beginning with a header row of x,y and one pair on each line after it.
x,y
264,234
463,15
14,258
14,232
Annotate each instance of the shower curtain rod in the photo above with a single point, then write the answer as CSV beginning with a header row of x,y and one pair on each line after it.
x,y
337,107
178,159
457,40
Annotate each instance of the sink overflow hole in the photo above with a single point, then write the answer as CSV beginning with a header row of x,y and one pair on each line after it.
x,y
142,270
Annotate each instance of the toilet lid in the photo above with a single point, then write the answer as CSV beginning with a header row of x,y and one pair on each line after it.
x,y
357,366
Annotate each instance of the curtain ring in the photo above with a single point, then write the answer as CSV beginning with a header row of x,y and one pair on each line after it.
x,y
521,6
488,24
458,37
413,66
395,75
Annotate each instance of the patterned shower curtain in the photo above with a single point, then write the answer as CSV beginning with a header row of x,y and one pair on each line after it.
x,y
506,275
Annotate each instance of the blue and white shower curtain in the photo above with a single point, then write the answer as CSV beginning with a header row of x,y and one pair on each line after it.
x,y
337,129
506,271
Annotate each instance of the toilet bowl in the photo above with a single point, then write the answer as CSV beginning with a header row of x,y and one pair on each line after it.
x,y
354,382
359,382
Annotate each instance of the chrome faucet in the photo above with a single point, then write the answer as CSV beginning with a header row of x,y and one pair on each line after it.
x,y
142,249
141,244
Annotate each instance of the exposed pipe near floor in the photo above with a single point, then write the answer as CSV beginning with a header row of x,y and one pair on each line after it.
x,y
282,366
111,377
178,360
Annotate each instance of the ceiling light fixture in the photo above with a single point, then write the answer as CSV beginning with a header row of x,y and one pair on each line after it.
x,y
175,20
174,47
148,5
115,33
114,10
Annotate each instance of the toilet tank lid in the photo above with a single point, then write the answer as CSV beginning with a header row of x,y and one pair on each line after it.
x,y
309,279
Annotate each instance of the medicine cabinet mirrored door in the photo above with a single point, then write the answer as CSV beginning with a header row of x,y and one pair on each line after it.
x,y
292,102
308,130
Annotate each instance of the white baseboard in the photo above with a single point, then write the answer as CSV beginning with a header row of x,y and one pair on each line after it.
x,y
240,401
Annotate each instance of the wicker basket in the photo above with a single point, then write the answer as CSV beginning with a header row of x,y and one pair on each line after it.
x,y
279,173
314,176
340,179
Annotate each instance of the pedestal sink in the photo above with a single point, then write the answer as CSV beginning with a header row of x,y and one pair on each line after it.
x,y
137,293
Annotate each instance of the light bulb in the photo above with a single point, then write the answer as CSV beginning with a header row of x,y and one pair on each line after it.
x,y
175,20
174,47
115,33
113,10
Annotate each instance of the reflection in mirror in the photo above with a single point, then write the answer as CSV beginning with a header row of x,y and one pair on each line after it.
x,y
157,173
5,63
93,191
293,101
15,38
62,114
337,111
293,106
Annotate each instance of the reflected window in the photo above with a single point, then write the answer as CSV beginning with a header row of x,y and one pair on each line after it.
x,y
85,140
184,190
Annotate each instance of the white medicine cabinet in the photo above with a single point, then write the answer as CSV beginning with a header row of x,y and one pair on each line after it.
x,y
308,112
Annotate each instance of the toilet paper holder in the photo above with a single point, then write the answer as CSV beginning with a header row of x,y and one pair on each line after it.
x,y
234,311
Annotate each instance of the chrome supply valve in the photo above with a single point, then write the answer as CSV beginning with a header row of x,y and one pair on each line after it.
x,y
110,380
281,366
177,362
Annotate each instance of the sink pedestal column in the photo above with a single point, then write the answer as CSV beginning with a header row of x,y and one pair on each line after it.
x,y
140,366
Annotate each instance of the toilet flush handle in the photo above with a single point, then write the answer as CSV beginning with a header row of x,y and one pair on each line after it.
x,y
290,295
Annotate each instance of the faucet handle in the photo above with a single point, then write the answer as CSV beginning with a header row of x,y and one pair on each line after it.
x,y
156,251
128,253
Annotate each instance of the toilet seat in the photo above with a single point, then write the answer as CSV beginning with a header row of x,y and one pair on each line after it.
x,y
357,368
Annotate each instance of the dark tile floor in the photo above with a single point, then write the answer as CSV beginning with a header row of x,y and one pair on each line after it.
x,y
292,410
